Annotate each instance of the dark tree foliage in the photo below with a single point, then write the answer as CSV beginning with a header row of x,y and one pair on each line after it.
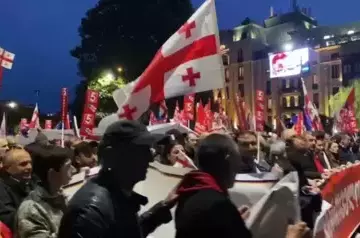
x,y
127,34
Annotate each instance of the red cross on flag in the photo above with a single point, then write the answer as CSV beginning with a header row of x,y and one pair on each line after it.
x,y
6,58
188,62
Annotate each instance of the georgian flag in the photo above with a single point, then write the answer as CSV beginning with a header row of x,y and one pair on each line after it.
x,y
6,58
311,115
35,123
188,62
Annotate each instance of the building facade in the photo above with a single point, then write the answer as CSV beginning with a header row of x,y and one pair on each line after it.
x,y
247,65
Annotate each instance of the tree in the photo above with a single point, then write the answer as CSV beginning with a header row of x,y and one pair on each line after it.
x,y
126,34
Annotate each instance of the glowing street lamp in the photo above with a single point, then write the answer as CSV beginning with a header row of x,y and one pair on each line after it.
x,y
119,69
288,47
12,105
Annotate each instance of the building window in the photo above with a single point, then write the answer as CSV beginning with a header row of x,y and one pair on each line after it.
x,y
355,38
334,56
269,104
347,68
296,101
284,101
268,87
227,93
315,82
330,43
316,99
241,90
335,71
292,101
226,59
357,67
240,57
287,101
241,72
227,75
283,83
335,90
287,83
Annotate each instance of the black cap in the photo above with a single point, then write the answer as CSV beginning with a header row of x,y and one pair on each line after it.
x,y
129,132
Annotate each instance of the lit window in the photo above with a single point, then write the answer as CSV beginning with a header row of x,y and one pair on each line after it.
x,y
351,32
288,101
355,38
296,101
287,83
241,71
269,104
328,37
330,43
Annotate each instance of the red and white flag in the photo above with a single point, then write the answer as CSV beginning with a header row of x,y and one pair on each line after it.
x,y
200,124
34,123
188,62
6,58
48,124
189,105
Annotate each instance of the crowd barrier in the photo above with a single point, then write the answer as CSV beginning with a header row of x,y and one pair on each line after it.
x,y
341,205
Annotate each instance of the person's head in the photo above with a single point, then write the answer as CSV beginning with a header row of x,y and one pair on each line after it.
x,y
83,156
319,135
180,137
17,163
217,155
52,165
310,140
124,152
319,146
4,146
171,152
94,146
248,143
345,140
333,147
297,144
192,140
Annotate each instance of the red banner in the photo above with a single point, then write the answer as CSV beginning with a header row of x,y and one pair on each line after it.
x,y
200,124
64,104
259,110
342,191
48,124
89,113
189,101
345,120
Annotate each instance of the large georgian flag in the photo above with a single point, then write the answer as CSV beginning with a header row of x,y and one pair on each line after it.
x,y
188,62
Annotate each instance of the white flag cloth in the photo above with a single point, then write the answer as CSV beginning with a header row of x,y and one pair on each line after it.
x,y
3,126
188,62
35,123
6,58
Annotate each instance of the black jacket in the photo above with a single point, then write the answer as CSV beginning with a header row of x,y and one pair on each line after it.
x,y
345,155
100,209
205,211
306,163
12,193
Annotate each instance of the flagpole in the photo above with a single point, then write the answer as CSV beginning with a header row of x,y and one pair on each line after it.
x,y
62,135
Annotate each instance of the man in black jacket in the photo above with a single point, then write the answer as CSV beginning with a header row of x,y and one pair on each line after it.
x,y
106,206
204,207
15,184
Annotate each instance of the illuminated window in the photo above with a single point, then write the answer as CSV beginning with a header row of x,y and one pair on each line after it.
x,y
288,101
241,72
330,43
296,101
227,75
287,83
292,101
269,103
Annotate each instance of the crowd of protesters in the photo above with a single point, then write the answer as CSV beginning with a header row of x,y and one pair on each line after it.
x,y
33,205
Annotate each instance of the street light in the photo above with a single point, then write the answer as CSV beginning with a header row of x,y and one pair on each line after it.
x,y
288,47
12,105
119,69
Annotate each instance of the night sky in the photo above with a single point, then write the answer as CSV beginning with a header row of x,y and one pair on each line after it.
x,y
42,32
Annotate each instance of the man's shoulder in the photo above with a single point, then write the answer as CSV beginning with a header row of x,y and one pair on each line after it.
x,y
90,196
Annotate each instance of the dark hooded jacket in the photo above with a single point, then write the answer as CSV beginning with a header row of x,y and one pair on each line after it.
x,y
205,210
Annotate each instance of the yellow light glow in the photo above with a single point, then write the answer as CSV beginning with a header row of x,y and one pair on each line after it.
x,y
119,69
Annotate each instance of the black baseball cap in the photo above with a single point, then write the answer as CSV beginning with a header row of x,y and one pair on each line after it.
x,y
129,132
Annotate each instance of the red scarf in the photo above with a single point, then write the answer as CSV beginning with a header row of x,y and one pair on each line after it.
x,y
318,164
